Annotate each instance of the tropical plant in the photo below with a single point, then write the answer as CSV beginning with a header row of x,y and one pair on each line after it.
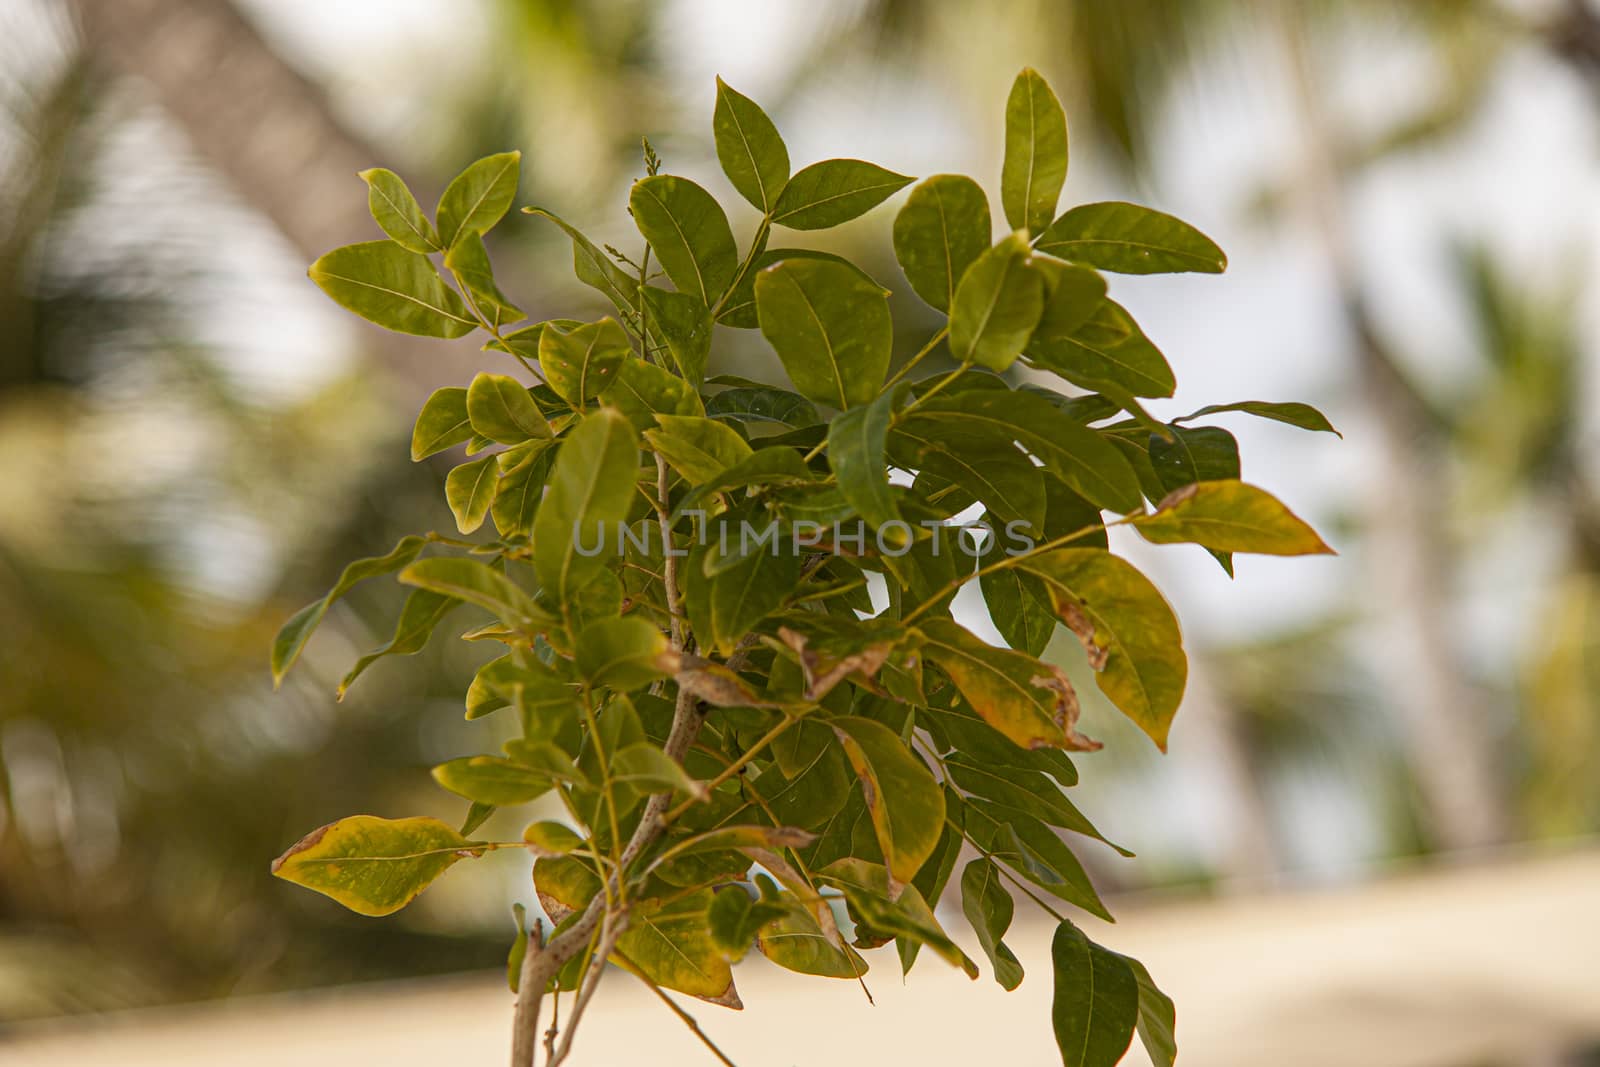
x,y
750,749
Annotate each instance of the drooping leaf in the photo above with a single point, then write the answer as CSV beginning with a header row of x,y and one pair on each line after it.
x,y
903,800
1130,239
294,634
1302,415
1195,454
1096,1001
419,617
943,227
1230,516
907,917
479,196
749,148
988,907
1157,1017
470,489
684,322
834,191
398,289
580,364
689,233
830,326
796,942
1030,848
397,211
370,865
1028,701
996,306
1035,165
591,490
442,423
1127,629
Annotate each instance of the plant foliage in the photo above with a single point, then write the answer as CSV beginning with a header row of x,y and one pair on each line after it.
x,y
751,752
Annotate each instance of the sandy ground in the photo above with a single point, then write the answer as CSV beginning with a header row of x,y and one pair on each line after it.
x,y
1482,965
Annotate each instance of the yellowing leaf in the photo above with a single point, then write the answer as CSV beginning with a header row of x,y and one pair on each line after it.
x,y
370,865
1126,627
903,800
1230,516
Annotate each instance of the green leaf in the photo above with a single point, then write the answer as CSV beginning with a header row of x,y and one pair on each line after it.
x,y
734,920
479,196
1096,1001
1157,1017
834,191
943,227
764,404
965,731
421,615
1302,415
907,917
643,390
671,945
796,943
519,947
1196,454
442,423
776,465
491,780
996,306
1025,844
808,787
370,865
594,268
395,288
1078,455
989,908
592,488
1230,516
550,838
470,489
649,769
905,803
397,211
293,635
724,607
501,410
468,260
1015,606
697,448
580,364
1125,626
1028,701
1107,353
1130,239
857,441
830,326
1035,165
622,653
739,307
1000,475
516,501
477,583
685,324
689,233
749,148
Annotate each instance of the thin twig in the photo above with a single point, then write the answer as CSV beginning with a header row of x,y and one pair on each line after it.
x,y
688,1020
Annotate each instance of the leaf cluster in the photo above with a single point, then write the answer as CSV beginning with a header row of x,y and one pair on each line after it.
x,y
749,752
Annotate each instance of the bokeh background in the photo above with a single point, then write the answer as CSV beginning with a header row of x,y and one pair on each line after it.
x,y
193,441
